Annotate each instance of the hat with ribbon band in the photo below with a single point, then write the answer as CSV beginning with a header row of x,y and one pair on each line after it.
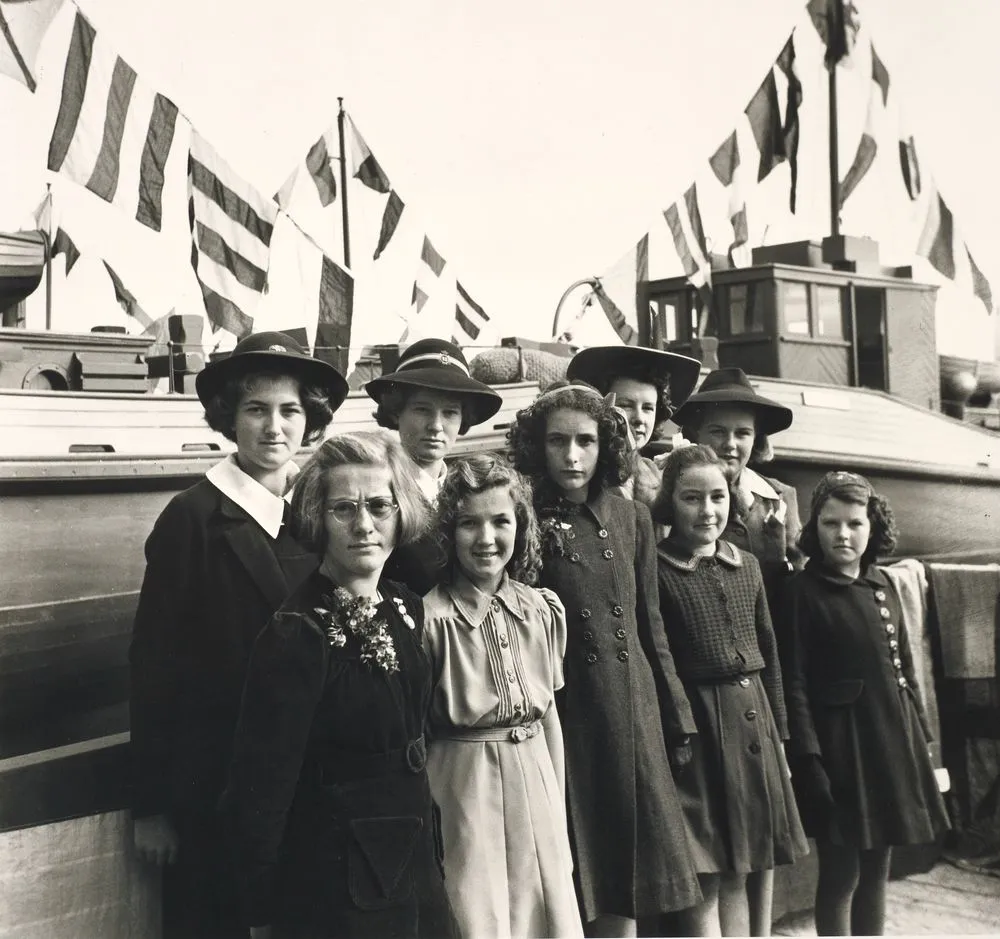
x,y
731,386
439,366
271,352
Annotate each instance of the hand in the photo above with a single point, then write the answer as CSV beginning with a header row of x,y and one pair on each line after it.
x,y
155,839
679,754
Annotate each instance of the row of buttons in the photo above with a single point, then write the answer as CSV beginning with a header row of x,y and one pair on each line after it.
x,y
890,631
574,558
591,657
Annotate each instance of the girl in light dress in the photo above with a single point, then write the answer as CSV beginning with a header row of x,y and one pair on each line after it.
x,y
496,758
736,793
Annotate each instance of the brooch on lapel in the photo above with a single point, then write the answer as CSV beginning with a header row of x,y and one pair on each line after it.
x,y
345,614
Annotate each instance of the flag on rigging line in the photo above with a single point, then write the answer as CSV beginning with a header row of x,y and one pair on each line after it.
x,y
790,128
948,253
127,300
363,165
908,163
63,244
837,22
390,222
868,145
428,272
23,25
113,134
319,166
43,214
684,220
725,163
231,229
470,318
335,315
636,272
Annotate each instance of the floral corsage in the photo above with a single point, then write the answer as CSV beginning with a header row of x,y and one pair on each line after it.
x,y
345,614
555,528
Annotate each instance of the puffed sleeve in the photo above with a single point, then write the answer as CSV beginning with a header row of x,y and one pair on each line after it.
x,y
768,645
174,554
555,614
283,687
674,706
794,651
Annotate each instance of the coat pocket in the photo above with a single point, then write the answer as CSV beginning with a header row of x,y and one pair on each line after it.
x,y
380,851
841,693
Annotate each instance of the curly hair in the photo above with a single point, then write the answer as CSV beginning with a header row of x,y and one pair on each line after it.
x,y
679,460
762,451
393,401
221,408
646,376
363,448
884,534
474,474
526,438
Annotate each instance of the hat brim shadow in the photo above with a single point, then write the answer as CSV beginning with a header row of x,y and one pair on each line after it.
x,y
599,363
483,401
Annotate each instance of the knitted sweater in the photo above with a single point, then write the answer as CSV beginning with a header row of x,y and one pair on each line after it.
x,y
717,620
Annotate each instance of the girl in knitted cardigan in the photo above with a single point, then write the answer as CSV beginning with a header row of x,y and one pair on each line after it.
x,y
735,792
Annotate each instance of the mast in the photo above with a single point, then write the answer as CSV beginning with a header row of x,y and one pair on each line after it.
x,y
836,50
343,185
48,261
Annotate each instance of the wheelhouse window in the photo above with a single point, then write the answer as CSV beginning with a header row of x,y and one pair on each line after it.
x,y
745,315
829,312
795,308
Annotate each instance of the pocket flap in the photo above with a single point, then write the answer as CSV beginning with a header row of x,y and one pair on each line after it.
x,y
846,691
387,845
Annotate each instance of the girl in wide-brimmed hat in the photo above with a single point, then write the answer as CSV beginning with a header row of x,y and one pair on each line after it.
x,y
728,415
219,562
649,386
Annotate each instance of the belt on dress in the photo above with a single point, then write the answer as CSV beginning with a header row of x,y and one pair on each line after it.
x,y
517,734
347,767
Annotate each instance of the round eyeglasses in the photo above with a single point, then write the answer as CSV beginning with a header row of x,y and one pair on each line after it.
x,y
346,511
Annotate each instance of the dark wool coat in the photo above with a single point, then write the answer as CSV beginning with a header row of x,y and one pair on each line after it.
x,y
625,821
852,700
329,803
213,579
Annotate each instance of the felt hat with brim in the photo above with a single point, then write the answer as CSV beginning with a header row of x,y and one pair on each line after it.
x,y
599,364
439,366
731,386
271,352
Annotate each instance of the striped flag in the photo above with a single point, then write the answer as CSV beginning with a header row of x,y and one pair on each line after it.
x,y
790,128
428,274
127,300
319,167
725,163
363,164
231,229
470,318
948,253
390,222
335,314
684,220
63,244
23,25
868,145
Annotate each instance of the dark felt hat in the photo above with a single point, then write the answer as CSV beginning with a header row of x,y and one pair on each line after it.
x,y
440,366
598,364
731,386
271,351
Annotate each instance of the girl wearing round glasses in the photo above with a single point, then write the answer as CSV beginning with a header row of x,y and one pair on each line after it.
x,y
329,802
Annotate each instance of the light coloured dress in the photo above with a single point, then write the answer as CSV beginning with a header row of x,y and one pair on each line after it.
x,y
495,766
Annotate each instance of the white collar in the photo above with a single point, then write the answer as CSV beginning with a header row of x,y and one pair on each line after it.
x,y
265,508
753,484
430,486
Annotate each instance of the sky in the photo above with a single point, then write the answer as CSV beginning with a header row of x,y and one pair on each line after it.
x,y
534,140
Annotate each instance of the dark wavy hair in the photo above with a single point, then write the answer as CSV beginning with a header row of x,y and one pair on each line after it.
x,y
648,376
362,448
221,408
393,400
679,460
881,541
526,438
474,474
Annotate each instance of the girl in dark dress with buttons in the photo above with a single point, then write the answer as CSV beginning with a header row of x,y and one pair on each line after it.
x,y
329,804
737,797
859,736
626,828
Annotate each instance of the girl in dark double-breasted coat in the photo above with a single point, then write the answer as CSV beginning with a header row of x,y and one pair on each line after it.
x,y
626,826
858,747
219,561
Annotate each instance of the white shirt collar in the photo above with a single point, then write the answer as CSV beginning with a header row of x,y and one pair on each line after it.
x,y
430,486
753,484
265,508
